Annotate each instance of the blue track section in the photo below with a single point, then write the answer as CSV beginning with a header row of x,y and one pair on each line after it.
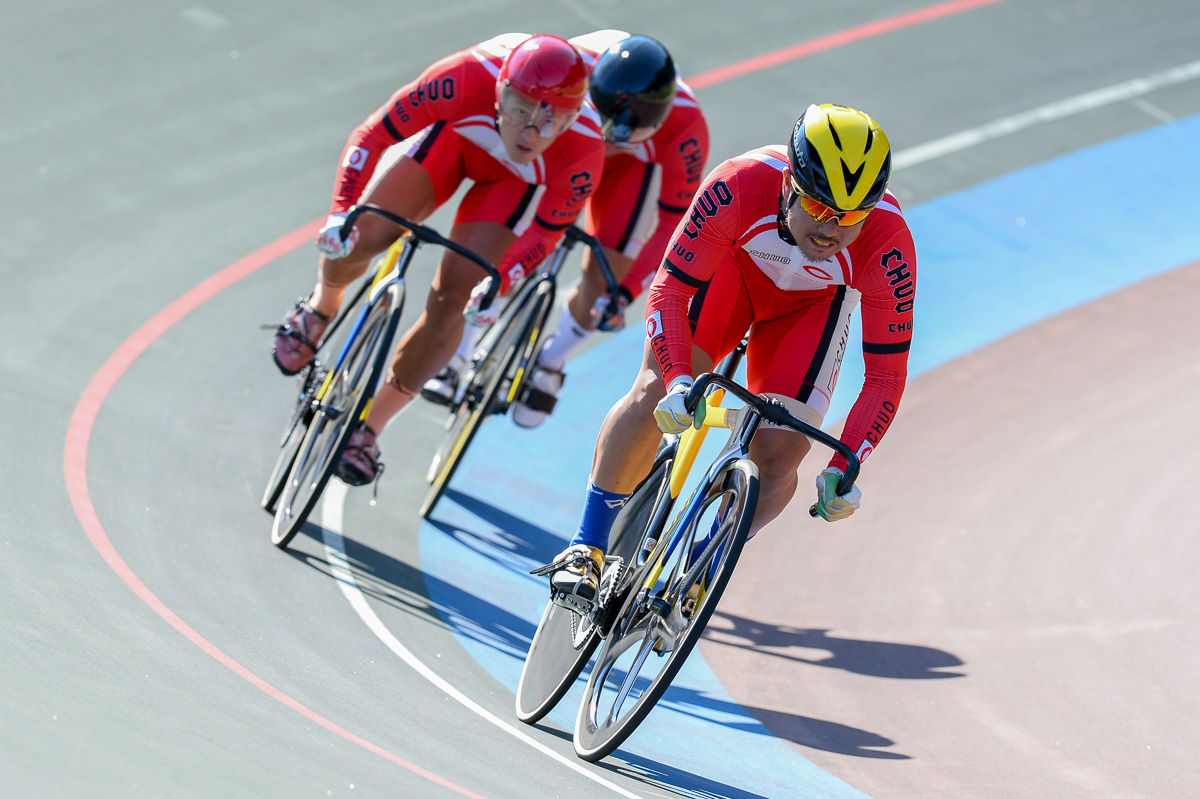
x,y
992,260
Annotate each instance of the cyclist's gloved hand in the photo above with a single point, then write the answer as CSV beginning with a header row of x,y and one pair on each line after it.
x,y
481,316
329,240
830,506
616,322
671,415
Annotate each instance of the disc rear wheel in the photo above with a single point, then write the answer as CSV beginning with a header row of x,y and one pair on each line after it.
x,y
564,641
665,609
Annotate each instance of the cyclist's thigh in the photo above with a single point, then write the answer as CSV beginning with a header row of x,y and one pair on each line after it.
x,y
778,451
491,216
797,354
415,177
456,275
623,211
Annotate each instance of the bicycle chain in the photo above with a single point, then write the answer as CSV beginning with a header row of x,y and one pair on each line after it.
x,y
613,566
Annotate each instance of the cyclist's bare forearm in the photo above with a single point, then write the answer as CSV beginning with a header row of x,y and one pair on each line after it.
x,y
583,295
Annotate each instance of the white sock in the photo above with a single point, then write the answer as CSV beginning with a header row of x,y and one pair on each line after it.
x,y
466,347
564,341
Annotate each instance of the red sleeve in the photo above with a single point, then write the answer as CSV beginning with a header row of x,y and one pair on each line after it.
x,y
566,194
701,240
682,162
888,288
436,94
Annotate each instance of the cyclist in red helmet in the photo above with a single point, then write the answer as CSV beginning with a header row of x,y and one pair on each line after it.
x,y
656,145
507,114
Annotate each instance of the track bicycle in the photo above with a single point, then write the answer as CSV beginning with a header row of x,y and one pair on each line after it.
x,y
663,578
504,358
333,401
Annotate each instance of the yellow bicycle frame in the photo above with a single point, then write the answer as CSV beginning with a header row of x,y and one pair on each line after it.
x,y
685,455
691,439
386,264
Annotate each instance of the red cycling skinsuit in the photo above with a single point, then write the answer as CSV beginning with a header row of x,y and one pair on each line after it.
x,y
646,187
447,119
728,271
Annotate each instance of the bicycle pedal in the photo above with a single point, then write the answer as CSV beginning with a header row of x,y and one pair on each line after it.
x,y
562,561
572,603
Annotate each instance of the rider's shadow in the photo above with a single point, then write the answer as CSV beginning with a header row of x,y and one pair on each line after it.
x,y
511,540
423,597
869,658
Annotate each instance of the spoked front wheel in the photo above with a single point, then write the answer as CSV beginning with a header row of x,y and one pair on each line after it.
x,y
340,403
293,434
665,610
494,383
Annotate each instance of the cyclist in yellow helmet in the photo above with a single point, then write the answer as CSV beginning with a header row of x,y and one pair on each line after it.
x,y
784,242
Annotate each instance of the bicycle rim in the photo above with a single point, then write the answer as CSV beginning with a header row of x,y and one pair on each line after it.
x,y
350,389
651,637
500,372
293,434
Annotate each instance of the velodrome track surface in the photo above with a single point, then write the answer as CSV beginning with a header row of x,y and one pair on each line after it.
x,y
1046,584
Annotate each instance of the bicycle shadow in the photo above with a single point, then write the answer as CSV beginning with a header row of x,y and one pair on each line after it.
x,y
675,781
511,540
520,544
868,658
804,731
404,587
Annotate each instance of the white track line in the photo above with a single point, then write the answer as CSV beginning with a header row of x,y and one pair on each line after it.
x,y
335,553
1046,113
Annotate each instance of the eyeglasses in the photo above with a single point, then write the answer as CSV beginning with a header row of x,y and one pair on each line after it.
x,y
823,213
550,121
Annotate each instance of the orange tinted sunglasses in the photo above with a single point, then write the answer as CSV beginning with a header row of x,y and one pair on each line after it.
x,y
823,213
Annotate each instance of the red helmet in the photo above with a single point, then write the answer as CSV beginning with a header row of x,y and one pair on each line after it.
x,y
545,69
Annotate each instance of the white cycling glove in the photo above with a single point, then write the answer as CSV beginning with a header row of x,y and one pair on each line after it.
x,y
474,312
329,240
670,413
830,506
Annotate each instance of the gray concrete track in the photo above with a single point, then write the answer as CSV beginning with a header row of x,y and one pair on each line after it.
x,y
144,147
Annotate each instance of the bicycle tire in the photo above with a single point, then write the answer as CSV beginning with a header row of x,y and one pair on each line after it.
x,y
597,735
477,379
345,401
502,368
562,646
293,434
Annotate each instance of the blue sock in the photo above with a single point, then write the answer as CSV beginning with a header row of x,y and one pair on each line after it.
x,y
600,510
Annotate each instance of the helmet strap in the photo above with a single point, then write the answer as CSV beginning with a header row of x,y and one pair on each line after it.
x,y
785,232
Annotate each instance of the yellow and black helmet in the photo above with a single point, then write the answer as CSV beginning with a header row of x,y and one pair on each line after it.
x,y
839,156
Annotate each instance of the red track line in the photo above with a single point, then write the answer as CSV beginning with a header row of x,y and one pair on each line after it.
x,y
849,36
83,420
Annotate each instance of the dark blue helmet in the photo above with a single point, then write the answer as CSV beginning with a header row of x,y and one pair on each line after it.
x,y
633,87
